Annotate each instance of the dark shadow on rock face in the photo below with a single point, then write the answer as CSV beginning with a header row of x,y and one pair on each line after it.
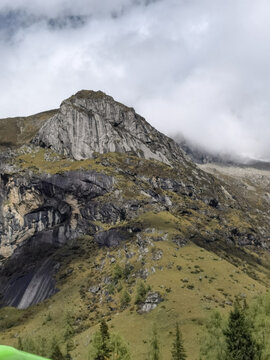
x,y
112,237
27,277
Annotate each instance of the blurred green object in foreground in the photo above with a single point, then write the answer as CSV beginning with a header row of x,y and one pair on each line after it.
x,y
9,353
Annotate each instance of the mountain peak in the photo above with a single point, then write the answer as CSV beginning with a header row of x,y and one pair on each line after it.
x,y
92,122
90,95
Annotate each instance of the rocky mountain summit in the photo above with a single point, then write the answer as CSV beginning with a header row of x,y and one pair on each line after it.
x,y
95,170
92,122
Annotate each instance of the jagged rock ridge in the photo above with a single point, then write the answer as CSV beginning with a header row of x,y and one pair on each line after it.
x,y
92,122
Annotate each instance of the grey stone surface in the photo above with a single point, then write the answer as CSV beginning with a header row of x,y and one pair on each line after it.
x,y
94,289
151,302
111,237
92,122
47,207
31,288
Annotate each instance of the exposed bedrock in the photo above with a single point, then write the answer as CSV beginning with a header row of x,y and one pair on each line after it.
x,y
27,275
92,122
36,285
46,207
38,214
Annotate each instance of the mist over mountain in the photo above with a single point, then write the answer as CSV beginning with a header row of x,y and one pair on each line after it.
x,y
202,155
199,68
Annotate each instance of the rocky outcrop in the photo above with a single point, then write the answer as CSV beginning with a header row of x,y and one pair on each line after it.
x,y
36,285
92,122
151,302
37,215
110,238
46,207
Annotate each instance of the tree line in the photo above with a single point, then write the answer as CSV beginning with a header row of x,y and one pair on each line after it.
x,y
104,346
243,335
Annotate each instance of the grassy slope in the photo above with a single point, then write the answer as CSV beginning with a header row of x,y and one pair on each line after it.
x,y
193,281
20,130
204,283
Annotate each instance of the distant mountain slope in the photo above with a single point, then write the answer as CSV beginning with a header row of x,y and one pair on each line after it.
x,y
21,130
201,156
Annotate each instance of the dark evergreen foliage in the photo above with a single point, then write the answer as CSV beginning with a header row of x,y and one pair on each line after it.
x,y
125,299
104,330
102,342
238,335
178,351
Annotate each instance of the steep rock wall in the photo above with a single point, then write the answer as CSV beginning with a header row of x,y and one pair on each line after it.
x,y
45,206
38,214
92,122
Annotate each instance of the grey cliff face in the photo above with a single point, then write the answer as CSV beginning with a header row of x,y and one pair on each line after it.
x,y
45,207
32,287
92,122
38,214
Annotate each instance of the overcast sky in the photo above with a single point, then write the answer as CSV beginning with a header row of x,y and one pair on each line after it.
x,y
199,67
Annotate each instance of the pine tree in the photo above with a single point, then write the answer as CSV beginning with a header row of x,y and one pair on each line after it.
x,y
125,299
154,351
41,346
239,340
104,331
141,293
69,330
105,336
29,345
178,351
100,349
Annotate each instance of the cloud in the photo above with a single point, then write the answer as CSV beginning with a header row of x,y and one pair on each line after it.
x,y
196,67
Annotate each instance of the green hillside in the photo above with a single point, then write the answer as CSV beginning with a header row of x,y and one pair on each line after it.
x,y
193,282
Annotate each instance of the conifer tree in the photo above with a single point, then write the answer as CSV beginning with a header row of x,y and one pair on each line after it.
x,y
141,293
104,330
154,351
239,340
178,351
68,356
125,299
100,349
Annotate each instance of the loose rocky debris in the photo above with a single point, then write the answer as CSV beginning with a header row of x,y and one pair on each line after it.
x,y
94,289
151,302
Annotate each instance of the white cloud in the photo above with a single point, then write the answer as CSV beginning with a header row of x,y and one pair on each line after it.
x,y
196,67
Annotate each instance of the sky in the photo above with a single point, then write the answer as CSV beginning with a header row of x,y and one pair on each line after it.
x,y
195,67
